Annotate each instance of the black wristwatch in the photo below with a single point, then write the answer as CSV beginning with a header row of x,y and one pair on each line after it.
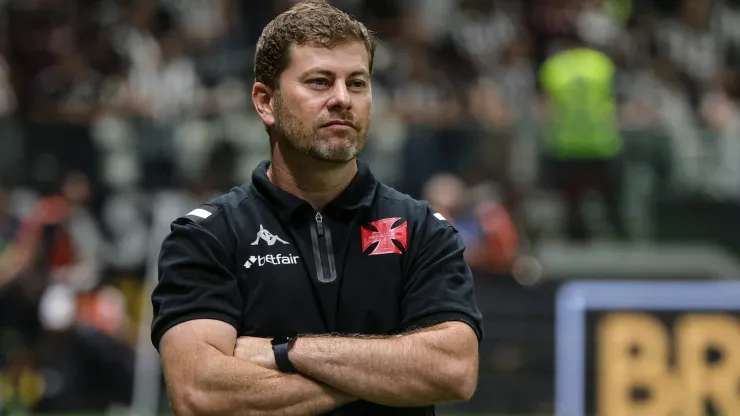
x,y
281,346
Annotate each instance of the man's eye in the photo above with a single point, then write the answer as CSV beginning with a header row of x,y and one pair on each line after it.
x,y
320,81
358,84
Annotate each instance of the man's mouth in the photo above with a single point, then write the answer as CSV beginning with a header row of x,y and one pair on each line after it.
x,y
337,123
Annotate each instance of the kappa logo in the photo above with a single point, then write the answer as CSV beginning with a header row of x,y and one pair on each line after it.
x,y
273,259
385,236
269,237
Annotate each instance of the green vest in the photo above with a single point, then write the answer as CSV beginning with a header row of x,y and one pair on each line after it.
x,y
620,10
582,107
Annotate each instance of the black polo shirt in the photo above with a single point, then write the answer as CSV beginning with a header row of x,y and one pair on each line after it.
x,y
374,261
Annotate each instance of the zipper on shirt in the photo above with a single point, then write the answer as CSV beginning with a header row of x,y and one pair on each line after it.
x,y
323,251
320,224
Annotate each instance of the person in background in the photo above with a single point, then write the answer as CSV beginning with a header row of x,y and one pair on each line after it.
x,y
582,142
65,103
12,143
428,103
483,222
9,260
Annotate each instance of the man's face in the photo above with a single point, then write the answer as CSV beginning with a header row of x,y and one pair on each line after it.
x,y
322,108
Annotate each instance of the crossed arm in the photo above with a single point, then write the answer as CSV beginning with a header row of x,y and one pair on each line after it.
x,y
434,365
204,376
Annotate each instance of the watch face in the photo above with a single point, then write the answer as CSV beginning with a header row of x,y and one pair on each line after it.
x,y
281,340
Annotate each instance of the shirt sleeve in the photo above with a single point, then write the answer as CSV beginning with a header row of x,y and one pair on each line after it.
x,y
195,280
439,287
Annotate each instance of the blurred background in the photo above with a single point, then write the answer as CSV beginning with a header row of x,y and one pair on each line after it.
x,y
567,140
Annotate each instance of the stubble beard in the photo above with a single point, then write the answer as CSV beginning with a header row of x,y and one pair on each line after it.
x,y
306,139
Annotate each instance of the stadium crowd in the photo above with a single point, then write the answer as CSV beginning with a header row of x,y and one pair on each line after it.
x,y
117,116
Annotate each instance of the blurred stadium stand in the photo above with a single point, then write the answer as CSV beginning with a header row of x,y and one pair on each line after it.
x,y
117,116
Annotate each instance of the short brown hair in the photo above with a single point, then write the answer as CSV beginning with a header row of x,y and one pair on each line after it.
x,y
313,22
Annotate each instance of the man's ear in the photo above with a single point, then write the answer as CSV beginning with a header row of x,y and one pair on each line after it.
x,y
262,99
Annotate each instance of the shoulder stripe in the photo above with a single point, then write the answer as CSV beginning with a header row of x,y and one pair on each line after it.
x,y
444,220
201,213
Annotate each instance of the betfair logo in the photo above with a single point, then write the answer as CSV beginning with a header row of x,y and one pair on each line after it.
x,y
274,259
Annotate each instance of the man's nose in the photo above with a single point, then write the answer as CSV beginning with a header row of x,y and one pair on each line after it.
x,y
340,98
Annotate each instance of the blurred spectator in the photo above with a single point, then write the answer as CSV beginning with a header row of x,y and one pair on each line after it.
x,y
65,102
496,119
515,76
482,30
483,223
428,103
67,93
160,91
65,237
582,141
601,22
498,246
10,264
216,36
203,21
127,234
46,237
78,348
688,42
50,302
550,22
89,246
722,116
11,145
446,194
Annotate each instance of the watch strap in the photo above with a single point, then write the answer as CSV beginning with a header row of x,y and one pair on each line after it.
x,y
281,357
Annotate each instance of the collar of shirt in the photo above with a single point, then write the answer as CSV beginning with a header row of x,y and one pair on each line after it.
x,y
359,194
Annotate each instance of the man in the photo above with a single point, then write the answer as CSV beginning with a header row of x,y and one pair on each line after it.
x,y
582,141
315,289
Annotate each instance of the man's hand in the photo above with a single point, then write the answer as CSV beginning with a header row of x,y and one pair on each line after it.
x,y
257,351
